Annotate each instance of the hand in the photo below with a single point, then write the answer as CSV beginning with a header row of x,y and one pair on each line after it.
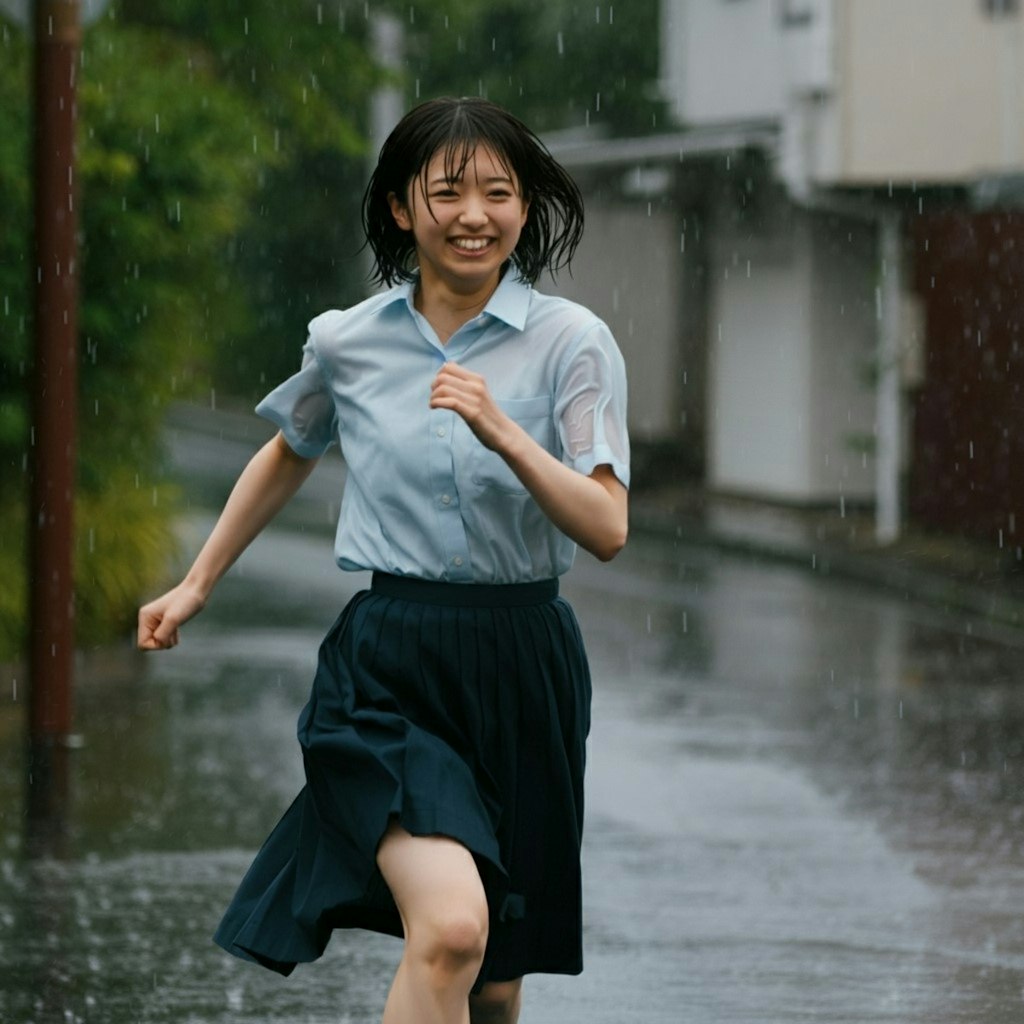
x,y
159,620
466,393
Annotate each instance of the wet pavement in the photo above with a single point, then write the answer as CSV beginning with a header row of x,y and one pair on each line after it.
x,y
805,803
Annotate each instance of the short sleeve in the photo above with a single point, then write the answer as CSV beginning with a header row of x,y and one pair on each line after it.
x,y
303,408
590,405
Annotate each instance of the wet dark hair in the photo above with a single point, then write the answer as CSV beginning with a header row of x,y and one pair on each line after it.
x,y
455,127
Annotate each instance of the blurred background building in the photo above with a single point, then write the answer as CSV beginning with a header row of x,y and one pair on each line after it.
x,y
816,274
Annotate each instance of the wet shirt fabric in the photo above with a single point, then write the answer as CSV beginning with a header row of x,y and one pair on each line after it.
x,y
423,496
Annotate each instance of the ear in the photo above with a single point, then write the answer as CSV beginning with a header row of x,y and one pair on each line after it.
x,y
400,212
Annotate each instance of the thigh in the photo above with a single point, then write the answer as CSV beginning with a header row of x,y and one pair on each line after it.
x,y
430,877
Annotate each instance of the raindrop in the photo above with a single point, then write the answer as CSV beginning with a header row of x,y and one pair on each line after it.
x,y
156,121
246,22
319,14
561,45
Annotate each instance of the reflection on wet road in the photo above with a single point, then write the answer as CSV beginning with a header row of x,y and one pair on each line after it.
x,y
806,803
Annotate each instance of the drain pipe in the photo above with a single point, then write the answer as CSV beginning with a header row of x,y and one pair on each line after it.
x,y
888,392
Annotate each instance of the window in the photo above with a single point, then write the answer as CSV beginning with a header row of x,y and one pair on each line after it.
x,y
995,8
796,13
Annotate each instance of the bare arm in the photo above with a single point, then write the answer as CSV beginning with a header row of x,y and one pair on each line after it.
x,y
592,510
264,487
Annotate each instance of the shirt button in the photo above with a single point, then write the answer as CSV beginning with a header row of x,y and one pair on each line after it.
x,y
440,431
446,499
456,561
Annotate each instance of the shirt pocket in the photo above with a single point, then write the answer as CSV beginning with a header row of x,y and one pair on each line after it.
x,y
487,469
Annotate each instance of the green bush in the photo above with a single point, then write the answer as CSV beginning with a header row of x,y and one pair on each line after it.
x,y
169,157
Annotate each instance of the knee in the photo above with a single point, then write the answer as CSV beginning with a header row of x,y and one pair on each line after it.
x,y
453,941
496,1003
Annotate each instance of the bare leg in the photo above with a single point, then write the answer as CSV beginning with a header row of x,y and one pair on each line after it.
x,y
497,1002
437,888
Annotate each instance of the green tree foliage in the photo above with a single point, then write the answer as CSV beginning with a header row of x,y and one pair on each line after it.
x,y
302,68
557,64
168,158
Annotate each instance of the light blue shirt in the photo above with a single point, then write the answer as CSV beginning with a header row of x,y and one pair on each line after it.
x,y
423,496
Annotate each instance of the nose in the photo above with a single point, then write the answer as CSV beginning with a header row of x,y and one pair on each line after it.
x,y
473,213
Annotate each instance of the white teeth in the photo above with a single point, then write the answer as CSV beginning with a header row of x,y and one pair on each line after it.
x,y
472,244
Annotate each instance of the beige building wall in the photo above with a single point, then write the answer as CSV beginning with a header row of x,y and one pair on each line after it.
x,y
929,91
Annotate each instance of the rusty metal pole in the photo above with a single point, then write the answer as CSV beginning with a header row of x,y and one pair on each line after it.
x,y
54,395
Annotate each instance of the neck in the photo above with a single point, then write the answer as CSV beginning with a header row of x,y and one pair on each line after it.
x,y
447,310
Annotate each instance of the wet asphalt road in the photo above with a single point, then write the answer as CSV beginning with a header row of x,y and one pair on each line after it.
x,y
805,803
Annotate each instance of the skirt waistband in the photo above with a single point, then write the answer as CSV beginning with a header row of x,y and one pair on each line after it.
x,y
465,595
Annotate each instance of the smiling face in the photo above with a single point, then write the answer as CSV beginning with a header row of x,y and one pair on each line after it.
x,y
466,222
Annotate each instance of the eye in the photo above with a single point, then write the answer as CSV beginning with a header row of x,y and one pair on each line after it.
x,y
443,193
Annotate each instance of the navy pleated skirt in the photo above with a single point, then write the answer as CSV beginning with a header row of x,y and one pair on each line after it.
x,y
459,710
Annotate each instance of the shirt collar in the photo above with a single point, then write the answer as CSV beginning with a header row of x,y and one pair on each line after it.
x,y
510,302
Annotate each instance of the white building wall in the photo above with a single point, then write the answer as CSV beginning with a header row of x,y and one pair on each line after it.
x,y
792,339
864,91
721,60
627,270
759,336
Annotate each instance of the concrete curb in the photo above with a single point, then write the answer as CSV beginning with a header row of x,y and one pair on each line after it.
x,y
994,601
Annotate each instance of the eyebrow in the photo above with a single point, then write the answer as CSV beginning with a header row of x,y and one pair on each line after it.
x,y
445,180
